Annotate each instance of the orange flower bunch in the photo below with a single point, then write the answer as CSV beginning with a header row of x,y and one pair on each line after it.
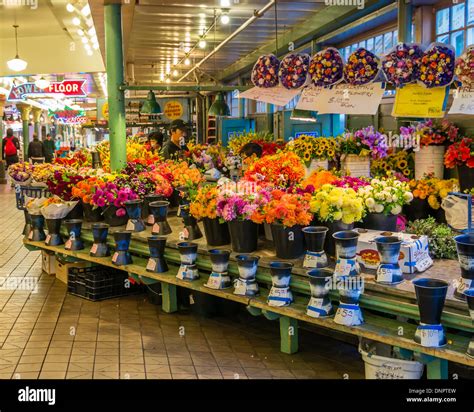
x,y
204,204
53,200
281,169
289,209
85,189
183,175
319,178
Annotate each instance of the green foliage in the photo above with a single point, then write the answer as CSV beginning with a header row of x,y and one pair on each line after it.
x,y
441,242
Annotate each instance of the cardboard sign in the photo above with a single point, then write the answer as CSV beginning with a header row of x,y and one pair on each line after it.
x,y
463,102
414,100
343,99
276,95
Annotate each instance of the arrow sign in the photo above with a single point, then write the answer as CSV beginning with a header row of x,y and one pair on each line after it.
x,y
70,88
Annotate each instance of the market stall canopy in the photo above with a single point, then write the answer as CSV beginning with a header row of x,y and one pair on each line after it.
x,y
47,39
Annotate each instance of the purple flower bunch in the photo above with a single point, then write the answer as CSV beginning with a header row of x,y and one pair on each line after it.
x,y
362,67
110,194
402,65
373,140
265,71
241,206
141,184
351,182
293,70
326,67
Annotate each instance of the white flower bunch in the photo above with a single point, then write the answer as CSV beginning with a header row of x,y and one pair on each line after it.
x,y
385,196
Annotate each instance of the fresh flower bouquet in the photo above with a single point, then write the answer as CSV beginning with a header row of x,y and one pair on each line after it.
x,y
282,169
204,205
20,172
85,189
437,66
34,204
162,185
401,162
237,141
43,171
351,182
241,203
289,209
402,64
460,153
430,133
56,208
364,142
308,148
326,67
62,182
110,194
385,196
74,159
293,72
319,178
433,189
233,163
330,204
141,184
185,176
465,67
265,71
362,67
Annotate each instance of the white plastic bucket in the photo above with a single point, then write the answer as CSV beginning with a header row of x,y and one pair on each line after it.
x,y
429,159
356,166
382,367
316,164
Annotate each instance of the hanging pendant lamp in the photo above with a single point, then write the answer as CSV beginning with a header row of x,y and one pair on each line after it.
x,y
219,106
42,83
16,64
150,105
303,115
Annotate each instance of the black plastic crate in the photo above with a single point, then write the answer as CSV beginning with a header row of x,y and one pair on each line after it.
x,y
99,283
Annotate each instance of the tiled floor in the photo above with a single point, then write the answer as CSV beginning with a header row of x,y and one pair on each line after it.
x,y
50,334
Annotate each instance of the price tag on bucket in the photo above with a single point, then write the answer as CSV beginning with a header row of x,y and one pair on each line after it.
x,y
30,236
384,275
115,257
343,267
151,265
429,337
346,316
214,281
240,288
48,239
68,244
94,248
424,264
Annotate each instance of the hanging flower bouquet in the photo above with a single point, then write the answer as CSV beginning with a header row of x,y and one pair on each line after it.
x,y
326,67
330,204
385,196
293,71
265,71
437,66
465,67
362,67
20,172
308,148
401,66
204,205
281,169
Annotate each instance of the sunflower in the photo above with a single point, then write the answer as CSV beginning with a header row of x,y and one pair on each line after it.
x,y
303,138
331,152
319,152
402,164
307,156
406,172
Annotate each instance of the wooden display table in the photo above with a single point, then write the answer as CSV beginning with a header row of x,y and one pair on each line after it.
x,y
390,312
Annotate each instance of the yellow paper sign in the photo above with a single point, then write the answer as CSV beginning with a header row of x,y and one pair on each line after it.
x,y
173,110
414,100
105,111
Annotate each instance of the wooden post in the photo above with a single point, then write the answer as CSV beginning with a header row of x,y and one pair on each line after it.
x,y
170,301
288,335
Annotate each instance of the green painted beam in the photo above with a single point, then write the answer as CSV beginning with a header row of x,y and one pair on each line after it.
x,y
184,88
114,64
405,18
324,21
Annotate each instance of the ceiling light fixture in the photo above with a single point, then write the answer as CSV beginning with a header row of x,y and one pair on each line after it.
x,y
76,21
80,32
86,10
219,106
16,64
175,73
69,7
225,19
202,44
187,62
150,105
42,83
225,3
303,115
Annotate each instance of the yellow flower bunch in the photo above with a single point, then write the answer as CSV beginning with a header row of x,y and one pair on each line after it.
x,y
433,189
331,203
204,204
183,175
238,141
401,162
309,147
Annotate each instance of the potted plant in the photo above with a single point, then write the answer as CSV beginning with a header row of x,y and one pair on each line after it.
x,y
286,213
383,200
460,155
204,207
236,205
358,148
338,208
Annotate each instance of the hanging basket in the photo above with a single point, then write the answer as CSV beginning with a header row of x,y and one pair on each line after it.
x,y
356,166
429,159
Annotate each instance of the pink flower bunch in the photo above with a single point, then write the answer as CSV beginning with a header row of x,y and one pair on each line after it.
x,y
109,194
241,205
351,182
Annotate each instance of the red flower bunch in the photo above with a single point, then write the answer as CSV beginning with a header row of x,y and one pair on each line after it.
x,y
460,153
73,159
269,148
62,183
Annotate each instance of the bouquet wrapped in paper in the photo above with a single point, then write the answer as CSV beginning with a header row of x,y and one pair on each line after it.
x,y
20,173
437,66
55,208
362,67
34,204
265,71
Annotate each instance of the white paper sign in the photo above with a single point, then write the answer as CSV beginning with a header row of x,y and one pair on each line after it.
x,y
151,265
275,95
214,282
424,263
463,102
68,244
343,268
384,275
94,248
316,302
240,288
30,236
115,257
343,99
429,337
47,240
347,317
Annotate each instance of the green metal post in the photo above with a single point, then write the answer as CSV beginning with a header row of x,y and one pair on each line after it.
x,y
170,301
114,63
288,335
405,17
